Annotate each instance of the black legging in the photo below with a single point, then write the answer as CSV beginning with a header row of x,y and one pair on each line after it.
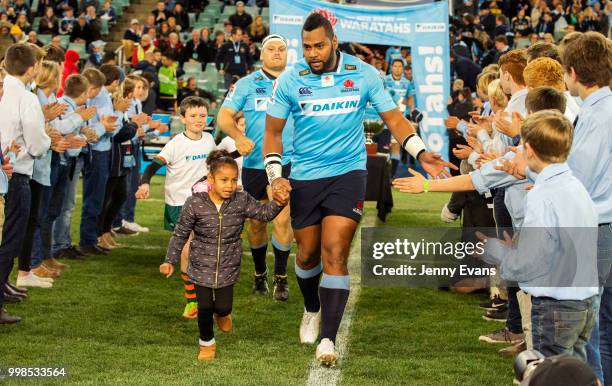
x,y
25,257
209,303
115,196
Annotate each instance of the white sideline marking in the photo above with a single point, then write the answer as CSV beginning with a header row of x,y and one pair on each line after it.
x,y
324,376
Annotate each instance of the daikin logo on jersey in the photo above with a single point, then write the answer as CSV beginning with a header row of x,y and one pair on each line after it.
x,y
330,106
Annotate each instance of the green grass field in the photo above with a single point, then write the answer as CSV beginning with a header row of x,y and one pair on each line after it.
x,y
116,320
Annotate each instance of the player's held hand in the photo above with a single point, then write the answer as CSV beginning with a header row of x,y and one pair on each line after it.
x,y
281,185
434,165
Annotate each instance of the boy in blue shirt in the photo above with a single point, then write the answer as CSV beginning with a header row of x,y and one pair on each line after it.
x,y
555,258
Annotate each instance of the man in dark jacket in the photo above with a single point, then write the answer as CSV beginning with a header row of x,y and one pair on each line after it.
x,y
191,89
465,69
196,51
148,65
487,19
233,57
241,18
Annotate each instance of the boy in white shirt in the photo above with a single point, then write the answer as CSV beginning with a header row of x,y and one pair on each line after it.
x,y
24,122
185,160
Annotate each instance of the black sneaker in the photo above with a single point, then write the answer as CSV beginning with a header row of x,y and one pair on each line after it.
x,y
74,251
497,315
281,288
493,304
260,286
69,253
92,250
125,231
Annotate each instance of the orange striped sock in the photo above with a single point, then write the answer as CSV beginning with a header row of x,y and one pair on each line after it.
x,y
189,287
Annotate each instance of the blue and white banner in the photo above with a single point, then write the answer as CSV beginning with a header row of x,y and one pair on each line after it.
x,y
423,27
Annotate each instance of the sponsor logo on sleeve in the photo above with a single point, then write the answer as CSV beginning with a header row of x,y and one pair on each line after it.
x,y
261,104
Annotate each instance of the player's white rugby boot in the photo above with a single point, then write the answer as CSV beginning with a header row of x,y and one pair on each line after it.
x,y
309,328
326,353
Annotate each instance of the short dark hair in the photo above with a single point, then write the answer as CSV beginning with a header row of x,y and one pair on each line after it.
x,y
192,102
217,158
54,54
316,20
397,60
590,55
543,49
235,30
149,77
75,86
111,73
109,56
501,39
549,133
18,59
545,98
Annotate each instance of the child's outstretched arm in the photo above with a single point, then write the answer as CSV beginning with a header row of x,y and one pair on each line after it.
x,y
264,212
143,189
419,184
182,230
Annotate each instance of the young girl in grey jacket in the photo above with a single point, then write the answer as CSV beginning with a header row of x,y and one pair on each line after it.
x,y
216,219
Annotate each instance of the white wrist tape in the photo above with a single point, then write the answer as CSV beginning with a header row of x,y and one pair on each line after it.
x,y
274,166
414,145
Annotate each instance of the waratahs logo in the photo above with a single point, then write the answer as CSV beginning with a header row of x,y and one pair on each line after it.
x,y
329,15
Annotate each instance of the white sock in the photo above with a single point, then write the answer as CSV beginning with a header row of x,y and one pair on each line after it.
x,y
207,343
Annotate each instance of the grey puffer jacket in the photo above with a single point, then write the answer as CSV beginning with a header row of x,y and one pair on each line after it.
x,y
215,252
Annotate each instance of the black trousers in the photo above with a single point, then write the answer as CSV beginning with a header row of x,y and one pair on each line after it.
x,y
16,213
25,257
116,194
212,301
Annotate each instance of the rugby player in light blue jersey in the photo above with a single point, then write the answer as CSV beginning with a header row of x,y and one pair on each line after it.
x,y
326,93
251,95
403,88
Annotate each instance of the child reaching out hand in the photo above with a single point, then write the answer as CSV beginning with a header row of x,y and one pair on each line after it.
x,y
216,219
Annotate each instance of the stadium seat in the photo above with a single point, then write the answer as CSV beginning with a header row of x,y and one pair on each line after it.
x,y
522,42
80,48
205,21
104,30
229,10
45,38
65,40
217,27
192,68
192,18
36,24
211,12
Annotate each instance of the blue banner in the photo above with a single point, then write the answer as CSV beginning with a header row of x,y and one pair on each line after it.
x,y
423,27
